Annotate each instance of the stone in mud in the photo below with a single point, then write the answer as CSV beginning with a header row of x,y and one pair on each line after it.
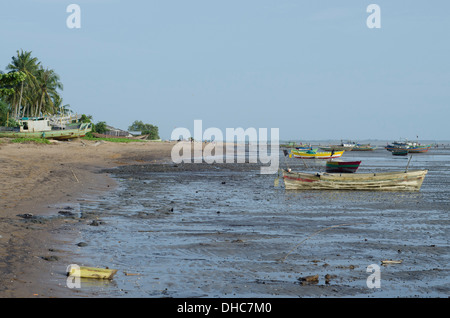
x,y
309,280
67,213
26,215
328,278
165,210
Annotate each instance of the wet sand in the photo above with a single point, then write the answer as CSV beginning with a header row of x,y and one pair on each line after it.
x,y
224,230
37,183
201,230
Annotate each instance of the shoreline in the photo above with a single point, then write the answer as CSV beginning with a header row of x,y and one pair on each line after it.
x,y
50,181
37,182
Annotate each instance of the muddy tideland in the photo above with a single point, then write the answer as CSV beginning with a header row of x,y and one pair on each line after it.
x,y
227,231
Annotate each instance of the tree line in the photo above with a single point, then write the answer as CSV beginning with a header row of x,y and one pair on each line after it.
x,y
29,89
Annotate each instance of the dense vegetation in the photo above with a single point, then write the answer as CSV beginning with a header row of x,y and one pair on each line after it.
x,y
145,129
29,89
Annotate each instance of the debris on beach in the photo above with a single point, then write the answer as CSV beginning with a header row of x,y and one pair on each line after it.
x,y
91,272
387,262
25,215
328,278
51,258
309,280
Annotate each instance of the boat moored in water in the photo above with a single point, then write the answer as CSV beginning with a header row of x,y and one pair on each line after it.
x,y
314,154
383,181
412,147
339,166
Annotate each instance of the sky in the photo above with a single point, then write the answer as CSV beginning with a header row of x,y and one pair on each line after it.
x,y
312,69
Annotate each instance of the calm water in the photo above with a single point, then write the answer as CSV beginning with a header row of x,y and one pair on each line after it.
x,y
219,232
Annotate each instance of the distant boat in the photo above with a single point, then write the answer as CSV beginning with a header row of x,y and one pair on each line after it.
x,y
292,144
419,148
384,181
366,147
348,146
400,152
304,147
338,166
412,147
42,128
314,154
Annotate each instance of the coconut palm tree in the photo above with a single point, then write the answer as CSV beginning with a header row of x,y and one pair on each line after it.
x,y
48,83
37,94
29,65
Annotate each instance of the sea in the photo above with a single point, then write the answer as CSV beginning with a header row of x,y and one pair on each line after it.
x,y
226,230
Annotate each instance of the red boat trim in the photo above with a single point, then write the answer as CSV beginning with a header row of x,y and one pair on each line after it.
x,y
299,179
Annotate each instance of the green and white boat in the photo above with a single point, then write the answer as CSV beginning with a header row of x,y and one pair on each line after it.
x,y
41,127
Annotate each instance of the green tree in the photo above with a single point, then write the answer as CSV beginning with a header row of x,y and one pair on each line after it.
x,y
100,127
25,63
4,109
58,104
48,83
86,118
37,93
145,129
8,81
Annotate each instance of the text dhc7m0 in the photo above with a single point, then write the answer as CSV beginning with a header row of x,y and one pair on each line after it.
x,y
246,307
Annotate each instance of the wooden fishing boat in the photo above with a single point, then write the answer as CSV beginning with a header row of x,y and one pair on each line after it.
x,y
338,166
384,181
367,147
348,146
419,148
314,154
412,147
304,147
41,128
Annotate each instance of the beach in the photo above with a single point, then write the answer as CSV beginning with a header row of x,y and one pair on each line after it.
x,y
213,230
37,180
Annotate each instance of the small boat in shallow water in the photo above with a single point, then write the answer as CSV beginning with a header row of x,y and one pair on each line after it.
x,y
314,154
412,147
339,166
383,181
400,152
367,147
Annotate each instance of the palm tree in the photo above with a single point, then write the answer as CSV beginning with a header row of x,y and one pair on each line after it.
x,y
36,95
48,82
58,105
29,65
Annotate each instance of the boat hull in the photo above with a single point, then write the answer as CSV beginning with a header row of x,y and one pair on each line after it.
x,y
336,148
411,149
400,152
419,149
64,134
316,155
364,148
342,166
386,181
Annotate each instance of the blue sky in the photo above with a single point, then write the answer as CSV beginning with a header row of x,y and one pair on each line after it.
x,y
313,69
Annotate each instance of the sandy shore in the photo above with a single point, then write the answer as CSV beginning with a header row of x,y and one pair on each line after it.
x,y
218,224
35,179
